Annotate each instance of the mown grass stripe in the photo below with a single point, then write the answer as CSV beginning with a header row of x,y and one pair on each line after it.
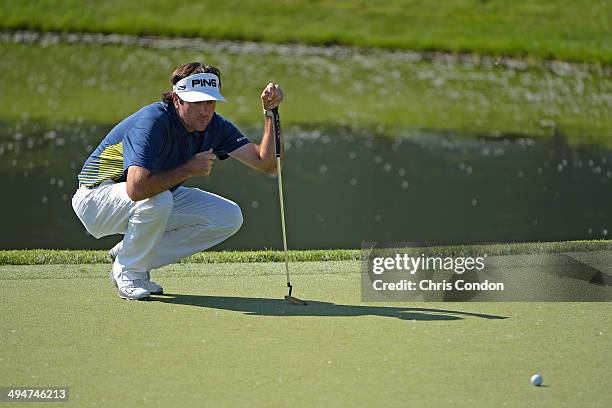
x,y
559,29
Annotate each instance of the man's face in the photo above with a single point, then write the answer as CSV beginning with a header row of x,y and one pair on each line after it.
x,y
195,115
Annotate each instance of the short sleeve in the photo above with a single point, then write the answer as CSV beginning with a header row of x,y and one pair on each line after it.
x,y
230,140
144,142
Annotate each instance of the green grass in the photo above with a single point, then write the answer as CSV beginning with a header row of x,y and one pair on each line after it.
x,y
223,337
561,29
84,257
375,93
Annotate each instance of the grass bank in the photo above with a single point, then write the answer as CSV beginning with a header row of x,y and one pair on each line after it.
x,y
387,92
47,256
561,29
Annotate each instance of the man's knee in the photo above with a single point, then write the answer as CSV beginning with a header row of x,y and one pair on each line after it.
x,y
234,218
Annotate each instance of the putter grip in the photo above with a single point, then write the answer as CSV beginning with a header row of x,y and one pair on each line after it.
x,y
277,131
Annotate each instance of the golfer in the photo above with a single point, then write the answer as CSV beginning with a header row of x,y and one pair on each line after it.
x,y
132,183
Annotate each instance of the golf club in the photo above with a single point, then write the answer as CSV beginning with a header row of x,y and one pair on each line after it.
x,y
278,148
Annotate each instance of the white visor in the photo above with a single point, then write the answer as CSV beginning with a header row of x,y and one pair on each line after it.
x,y
199,87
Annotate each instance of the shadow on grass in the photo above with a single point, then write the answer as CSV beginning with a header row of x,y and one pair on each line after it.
x,y
278,307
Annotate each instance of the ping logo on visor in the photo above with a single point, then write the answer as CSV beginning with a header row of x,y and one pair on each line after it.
x,y
199,87
204,82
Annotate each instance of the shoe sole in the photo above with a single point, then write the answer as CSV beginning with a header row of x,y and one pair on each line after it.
x,y
122,296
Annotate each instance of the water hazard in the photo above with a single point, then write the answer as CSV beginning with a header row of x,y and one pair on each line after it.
x,y
341,187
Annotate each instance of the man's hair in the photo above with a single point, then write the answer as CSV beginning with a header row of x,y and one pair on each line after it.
x,y
189,69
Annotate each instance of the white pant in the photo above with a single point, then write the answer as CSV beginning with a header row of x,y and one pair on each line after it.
x,y
159,230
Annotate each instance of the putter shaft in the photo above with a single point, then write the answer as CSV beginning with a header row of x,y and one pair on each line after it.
x,y
282,208
278,148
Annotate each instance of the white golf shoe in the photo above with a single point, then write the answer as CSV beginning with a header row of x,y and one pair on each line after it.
x,y
152,287
133,290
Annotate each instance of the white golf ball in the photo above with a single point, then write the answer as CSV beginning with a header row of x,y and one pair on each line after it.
x,y
536,379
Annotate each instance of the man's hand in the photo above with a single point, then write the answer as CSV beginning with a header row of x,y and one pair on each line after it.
x,y
201,164
142,184
261,157
271,96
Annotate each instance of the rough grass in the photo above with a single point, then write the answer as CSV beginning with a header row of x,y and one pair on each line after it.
x,y
83,257
560,29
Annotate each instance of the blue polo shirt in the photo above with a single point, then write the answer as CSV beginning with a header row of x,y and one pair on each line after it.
x,y
155,138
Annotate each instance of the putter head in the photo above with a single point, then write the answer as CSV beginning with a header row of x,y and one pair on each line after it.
x,y
295,301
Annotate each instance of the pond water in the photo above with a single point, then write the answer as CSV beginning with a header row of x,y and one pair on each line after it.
x,y
359,165
343,186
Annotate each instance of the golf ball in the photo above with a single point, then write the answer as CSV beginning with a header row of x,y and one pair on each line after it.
x,y
536,379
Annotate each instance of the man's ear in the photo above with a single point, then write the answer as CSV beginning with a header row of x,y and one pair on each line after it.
x,y
175,99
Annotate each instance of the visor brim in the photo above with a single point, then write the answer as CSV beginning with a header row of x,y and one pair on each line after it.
x,y
196,96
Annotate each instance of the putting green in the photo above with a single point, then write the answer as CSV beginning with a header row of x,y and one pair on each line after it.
x,y
223,337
